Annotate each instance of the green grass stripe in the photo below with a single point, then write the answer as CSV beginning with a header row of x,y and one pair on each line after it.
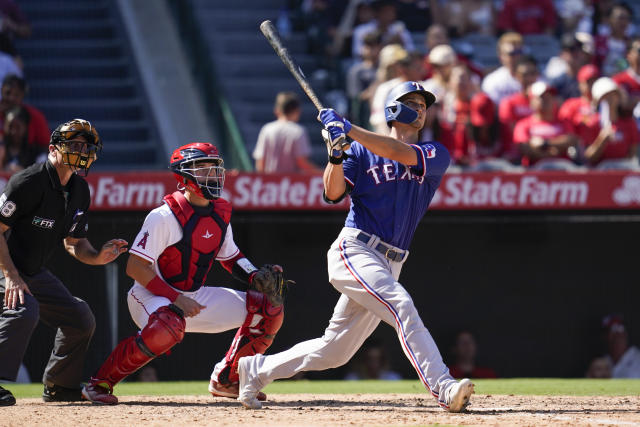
x,y
516,386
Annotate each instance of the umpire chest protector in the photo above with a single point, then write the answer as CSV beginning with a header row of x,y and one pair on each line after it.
x,y
186,263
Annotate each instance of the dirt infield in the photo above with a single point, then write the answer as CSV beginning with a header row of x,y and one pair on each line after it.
x,y
331,410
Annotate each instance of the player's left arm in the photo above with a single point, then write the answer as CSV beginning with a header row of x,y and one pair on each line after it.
x,y
83,250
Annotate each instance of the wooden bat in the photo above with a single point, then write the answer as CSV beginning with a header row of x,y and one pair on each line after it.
x,y
273,38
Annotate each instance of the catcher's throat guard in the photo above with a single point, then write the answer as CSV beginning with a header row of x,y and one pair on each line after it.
x,y
199,167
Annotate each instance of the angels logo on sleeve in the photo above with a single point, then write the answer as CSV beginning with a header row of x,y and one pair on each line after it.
x,y
143,241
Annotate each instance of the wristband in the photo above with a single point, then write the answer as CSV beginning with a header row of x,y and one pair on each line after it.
x,y
335,160
161,288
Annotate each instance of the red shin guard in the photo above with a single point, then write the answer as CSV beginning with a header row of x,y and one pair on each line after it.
x,y
255,336
164,329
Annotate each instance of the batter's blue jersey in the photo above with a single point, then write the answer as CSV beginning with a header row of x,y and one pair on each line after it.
x,y
389,199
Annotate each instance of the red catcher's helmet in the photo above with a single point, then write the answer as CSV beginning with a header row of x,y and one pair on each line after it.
x,y
198,167
79,155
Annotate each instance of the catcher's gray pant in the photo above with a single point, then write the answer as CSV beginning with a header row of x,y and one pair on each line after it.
x,y
370,293
56,307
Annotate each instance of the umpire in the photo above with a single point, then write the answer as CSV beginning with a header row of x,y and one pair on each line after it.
x,y
40,206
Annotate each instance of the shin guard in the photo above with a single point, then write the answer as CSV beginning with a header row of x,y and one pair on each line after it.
x,y
164,329
255,336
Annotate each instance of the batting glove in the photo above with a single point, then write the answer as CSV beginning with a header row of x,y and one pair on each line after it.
x,y
329,117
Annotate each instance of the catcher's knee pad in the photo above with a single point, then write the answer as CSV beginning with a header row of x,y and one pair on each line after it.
x,y
255,336
164,329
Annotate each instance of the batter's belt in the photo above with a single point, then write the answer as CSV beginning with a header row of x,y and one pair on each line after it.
x,y
389,252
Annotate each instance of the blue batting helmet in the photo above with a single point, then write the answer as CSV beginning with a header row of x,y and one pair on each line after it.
x,y
396,110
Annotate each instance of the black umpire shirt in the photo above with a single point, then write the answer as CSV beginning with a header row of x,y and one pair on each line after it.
x,y
41,213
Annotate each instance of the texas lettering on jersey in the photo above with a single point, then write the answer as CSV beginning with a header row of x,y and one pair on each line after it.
x,y
387,173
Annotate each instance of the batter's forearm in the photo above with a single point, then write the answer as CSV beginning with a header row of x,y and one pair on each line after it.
x,y
333,178
385,146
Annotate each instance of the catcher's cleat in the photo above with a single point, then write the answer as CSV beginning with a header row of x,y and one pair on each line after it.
x,y
6,398
57,393
248,392
459,395
229,390
100,395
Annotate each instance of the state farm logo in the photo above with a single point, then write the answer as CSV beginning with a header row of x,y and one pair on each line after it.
x,y
131,194
629,193
512,191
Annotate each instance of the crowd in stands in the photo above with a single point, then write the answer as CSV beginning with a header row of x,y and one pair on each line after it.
x,y
24,132
576,110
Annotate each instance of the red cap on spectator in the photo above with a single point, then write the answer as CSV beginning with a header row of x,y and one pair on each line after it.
x,y
483,110
587,72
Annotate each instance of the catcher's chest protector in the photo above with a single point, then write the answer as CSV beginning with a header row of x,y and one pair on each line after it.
x,y
186,263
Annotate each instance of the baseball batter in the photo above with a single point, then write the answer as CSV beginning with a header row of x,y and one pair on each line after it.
x,y
169,261
391,181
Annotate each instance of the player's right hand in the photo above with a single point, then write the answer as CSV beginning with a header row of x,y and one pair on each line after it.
x,y
189,306
14,291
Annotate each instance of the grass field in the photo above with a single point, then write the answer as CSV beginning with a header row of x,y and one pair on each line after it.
x,y
511,386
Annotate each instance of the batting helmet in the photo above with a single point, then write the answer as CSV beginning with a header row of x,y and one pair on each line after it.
x,y
396,110
198,167
76,153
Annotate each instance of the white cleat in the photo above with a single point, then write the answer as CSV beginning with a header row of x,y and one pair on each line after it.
x,y
248,393
459,395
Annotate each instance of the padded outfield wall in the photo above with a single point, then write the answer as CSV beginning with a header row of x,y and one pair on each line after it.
x,y
532,285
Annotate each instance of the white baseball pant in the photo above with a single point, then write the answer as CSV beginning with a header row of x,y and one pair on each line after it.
x,y
370,293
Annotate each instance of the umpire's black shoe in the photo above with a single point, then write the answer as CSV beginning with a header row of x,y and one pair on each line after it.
x,y
57,393
6,398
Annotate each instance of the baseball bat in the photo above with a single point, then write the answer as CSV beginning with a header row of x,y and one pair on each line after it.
x,y
273,38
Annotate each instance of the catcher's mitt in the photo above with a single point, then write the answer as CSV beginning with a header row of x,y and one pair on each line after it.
x,y
270,280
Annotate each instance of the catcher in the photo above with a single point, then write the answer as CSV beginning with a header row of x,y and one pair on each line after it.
x,y
169,261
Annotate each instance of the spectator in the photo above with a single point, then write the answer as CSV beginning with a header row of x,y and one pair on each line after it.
x,y
320,28
527,17
542,135
517,106
372,363
436,35
599,368
356,12
283,145
571,12
392,30
502,82
442,59
454,117
484,127
15,151
618,134
622,357
561,71
579,113
13,91
464,353
469,16
13,24
611,44
407,67
417,15
360,76
629,79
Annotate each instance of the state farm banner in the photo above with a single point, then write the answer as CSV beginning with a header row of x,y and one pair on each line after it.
x,y
142,191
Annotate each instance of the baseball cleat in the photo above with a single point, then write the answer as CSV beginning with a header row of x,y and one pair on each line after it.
x,y
99,395
57,393
248,395
229,390
459,395
6,398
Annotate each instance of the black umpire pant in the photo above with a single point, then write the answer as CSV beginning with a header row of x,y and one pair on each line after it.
x,y
56,307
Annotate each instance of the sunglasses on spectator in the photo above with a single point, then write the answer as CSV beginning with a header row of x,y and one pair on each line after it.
x,y
515,52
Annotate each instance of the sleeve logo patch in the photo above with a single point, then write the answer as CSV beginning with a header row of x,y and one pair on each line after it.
x,y
143,241
8,207
430,150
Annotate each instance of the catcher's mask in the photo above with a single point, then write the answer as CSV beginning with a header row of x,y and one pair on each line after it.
x,y
79,143
198,167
